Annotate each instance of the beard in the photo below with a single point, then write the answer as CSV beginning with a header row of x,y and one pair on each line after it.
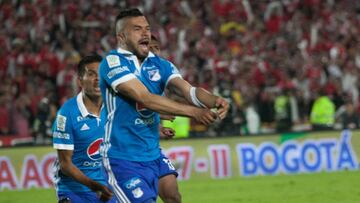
x,y
135,49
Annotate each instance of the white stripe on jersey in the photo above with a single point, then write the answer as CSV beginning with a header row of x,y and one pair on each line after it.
x,y
64,146
110,105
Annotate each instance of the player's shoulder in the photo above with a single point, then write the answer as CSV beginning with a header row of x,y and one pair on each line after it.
x,y
113,59
68,107
159,60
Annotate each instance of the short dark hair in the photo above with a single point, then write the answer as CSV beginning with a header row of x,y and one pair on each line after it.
x,y
153,37
131,12
85,61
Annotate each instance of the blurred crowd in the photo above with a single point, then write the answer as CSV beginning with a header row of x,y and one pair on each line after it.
x,y
285,65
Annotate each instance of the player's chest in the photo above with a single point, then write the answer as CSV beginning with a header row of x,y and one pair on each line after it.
x,y
89,128
151,76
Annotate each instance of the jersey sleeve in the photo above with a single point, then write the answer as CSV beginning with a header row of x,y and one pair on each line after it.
x,y
170,72
63,137
115,70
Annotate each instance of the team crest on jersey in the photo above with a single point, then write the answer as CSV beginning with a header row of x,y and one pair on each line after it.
x,y
93,150
144,112
154,75
137,192
113,61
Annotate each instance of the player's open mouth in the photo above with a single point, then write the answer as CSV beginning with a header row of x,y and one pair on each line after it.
x,y
144,44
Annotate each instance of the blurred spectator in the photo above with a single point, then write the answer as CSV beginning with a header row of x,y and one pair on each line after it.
x,y
252,120
283,111
266,110
322,113
46,113
5,116
22,116
67,77
348,117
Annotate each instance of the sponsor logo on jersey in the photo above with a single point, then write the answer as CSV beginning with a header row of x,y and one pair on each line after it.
x,y
116,71
140,121
154,75
149,67
113,61
61,135
144,112
93,150
84,127
132,183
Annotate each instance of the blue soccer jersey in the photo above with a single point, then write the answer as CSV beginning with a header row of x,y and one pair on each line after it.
x,y
132,131
78,130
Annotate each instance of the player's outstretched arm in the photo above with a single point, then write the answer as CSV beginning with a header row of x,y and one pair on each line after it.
x,y
68,168
167,117
198,96
135,90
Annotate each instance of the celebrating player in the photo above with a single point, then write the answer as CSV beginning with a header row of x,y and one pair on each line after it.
x,y
77,135
131,81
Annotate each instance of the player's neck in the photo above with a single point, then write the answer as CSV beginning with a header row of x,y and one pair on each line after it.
x,y
125,47
93,104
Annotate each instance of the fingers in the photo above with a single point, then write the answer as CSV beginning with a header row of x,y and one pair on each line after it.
x,y
222,115
166,132
223,107
105,197
207,117
102,191
222,112
220,102
105,194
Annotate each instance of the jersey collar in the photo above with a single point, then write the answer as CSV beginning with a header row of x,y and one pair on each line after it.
x,y
82,108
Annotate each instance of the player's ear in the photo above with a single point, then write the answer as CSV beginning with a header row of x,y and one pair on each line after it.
x,y
120,36
79,82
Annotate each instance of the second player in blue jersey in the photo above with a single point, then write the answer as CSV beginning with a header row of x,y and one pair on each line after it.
x,y
77,136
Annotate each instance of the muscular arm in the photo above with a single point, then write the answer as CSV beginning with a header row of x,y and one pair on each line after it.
x,y
181,88
135,90
68,168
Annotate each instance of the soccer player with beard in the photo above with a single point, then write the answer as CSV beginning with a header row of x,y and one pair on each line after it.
x,y
132,80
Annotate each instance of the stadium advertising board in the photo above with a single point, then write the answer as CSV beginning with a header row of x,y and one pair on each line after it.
x,y
213,158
